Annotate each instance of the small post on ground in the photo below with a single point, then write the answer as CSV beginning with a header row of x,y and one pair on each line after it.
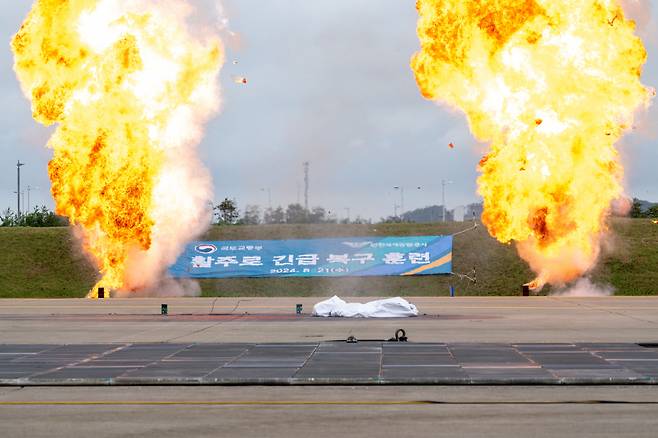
x,y
525,290
18,189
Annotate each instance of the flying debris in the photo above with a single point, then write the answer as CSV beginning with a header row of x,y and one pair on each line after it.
x,y
239,79
655,222
235,62
538,122
451,145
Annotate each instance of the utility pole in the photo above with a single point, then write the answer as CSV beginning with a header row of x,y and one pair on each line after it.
x,y
18,190
401,189
29,205
443,196
269,197
306,165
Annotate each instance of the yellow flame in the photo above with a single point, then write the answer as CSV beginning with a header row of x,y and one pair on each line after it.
x,y
552,85
127,86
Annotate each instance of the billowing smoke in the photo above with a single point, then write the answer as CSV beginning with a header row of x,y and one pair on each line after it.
x,y
583,287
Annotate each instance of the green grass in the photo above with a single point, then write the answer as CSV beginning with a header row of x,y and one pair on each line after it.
x,y
42,262
630,260
46,263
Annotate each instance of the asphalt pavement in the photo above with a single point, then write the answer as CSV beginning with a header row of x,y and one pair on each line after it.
x,y
330,411
254,320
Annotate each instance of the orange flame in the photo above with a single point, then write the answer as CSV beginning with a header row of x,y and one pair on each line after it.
x,y
129,89
552,84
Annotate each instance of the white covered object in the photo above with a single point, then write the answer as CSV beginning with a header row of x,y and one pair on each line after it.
x,y
389,308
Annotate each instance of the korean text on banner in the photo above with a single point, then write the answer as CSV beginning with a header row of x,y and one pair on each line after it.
x,y
360,256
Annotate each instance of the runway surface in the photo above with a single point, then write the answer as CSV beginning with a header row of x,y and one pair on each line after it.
x,y
330,411
265,320
474,332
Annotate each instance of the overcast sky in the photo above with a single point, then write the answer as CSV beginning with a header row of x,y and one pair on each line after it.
x,y
329,83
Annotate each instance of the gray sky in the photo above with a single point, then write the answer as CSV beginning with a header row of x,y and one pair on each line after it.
x,y
329,82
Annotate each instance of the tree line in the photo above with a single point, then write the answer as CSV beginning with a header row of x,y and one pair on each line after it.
x,y
227,213
39,217
644,209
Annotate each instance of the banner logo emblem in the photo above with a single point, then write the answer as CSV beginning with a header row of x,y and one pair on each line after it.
x,y
206,248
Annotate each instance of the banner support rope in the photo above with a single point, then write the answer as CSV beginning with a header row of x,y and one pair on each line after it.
x,y
472,275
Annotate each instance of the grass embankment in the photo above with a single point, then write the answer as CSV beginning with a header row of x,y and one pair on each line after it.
x,y
42,263
46,263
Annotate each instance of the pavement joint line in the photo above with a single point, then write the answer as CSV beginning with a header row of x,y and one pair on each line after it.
x,y
316,402
501,367
421,366
159,360
74,363
308,358
201,330
235,359
443,308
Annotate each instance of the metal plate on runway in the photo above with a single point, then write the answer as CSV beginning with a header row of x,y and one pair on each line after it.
x,y
366,362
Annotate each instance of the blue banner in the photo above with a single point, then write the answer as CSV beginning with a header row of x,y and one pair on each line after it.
x,y
351,256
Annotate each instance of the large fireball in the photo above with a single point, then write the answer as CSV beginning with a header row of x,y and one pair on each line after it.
x,y
129,89
552,85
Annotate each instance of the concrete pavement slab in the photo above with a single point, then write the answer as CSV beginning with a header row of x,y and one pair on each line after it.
x,y
366,362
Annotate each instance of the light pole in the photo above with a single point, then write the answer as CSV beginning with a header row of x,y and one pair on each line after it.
x,y
395,206
30,188
401,189
18,190
443,196
269,197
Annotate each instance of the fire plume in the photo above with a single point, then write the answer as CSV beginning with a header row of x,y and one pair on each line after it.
x,y
129,88
552,85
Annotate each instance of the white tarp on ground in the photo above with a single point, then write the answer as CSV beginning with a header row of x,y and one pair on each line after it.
x,y
389,308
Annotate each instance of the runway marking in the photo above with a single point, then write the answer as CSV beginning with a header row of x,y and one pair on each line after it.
x,y
446,307
314,403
